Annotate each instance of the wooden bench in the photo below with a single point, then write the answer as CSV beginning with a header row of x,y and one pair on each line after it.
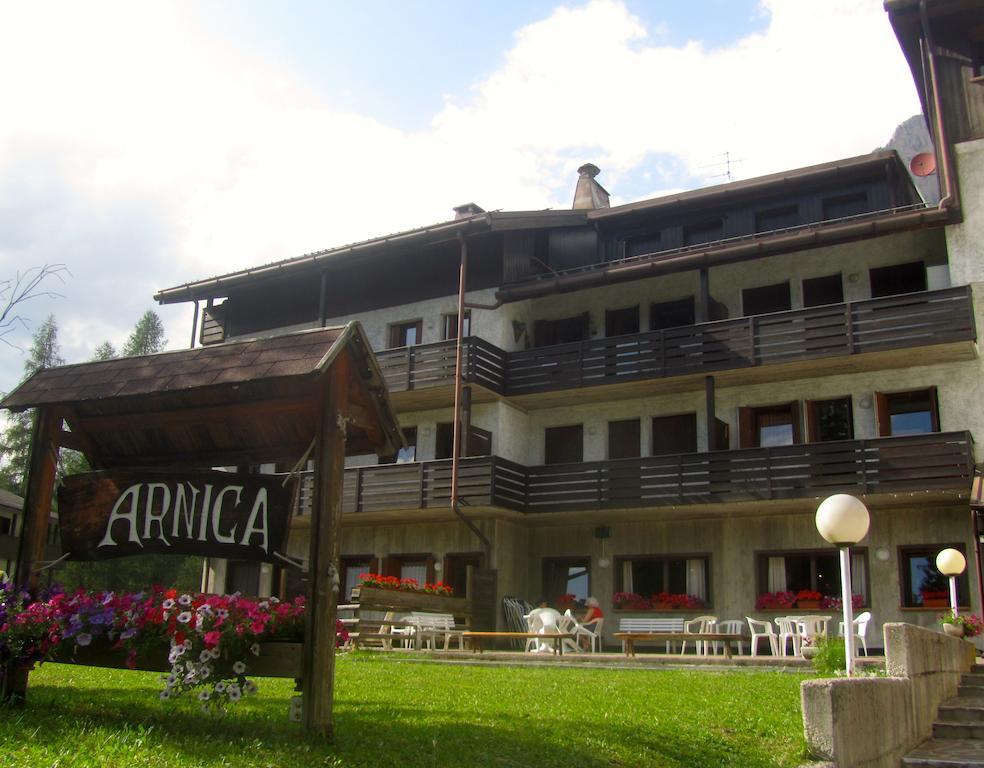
x,y
640,625
477,639
629,639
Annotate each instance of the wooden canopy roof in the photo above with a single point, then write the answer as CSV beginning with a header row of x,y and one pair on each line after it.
x,y
242,402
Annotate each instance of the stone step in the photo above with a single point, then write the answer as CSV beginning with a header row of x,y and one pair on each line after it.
x,y
958,730
947,753
963,709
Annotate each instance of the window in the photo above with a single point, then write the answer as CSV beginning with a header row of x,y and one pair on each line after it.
x,y
566,576
671,314
674,434
404,455
829,420
619,322
563,445
406,334
908,413
417,567
567,329
898,278
451,325
815,570
479,442
456,570
677,574
842,206
780,217
643,244
767,426
243,577
6,525
703,232
818,291
353,566
921,582
624,439
767,298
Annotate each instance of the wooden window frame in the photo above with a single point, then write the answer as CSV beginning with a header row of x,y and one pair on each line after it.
x,y
618,563
449,322
391,564
546,430
673,303
803,283
748,432
568,561
610,313
744,291
904,551
446,563
884,417
652,432
761,557
812,423
396,333
608,445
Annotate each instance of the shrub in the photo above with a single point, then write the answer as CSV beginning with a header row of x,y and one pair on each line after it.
x,y
830,658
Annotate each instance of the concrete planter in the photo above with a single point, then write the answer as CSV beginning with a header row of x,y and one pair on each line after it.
x,y
954,630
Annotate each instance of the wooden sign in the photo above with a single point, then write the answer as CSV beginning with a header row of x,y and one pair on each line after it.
x,y
215,514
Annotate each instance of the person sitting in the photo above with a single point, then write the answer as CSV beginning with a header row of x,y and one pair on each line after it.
x,y
590,620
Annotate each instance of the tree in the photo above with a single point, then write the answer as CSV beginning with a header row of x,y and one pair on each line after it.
x,y
147,337
16,448
104,351
22,288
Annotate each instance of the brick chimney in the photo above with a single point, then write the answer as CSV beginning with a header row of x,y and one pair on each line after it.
x,y
466,210
589,194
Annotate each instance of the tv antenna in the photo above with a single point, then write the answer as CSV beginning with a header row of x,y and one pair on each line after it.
x,y
727,163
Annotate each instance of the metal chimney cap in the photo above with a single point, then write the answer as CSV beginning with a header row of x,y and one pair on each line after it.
x,y
589,169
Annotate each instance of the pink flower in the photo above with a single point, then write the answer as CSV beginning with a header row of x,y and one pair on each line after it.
x,y
212,639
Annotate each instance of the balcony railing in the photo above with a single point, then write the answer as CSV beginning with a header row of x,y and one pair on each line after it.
x,y
937,461
872,325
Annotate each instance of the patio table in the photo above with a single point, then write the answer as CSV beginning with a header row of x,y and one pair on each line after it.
x,y
477,639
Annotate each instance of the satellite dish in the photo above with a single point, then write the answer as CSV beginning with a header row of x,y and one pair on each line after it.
x,y
923,164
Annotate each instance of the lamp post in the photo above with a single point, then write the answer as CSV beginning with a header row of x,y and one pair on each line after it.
x,y
843,521
951,562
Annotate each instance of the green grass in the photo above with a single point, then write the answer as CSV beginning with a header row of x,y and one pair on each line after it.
x,y
399,712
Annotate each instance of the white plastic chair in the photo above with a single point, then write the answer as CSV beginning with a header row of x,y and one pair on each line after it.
x,y
700,624
731,627
861,622
543,621
760,629
809,626
592,632
788,630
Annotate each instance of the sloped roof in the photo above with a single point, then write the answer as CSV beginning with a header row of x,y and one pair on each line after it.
x,y
247,401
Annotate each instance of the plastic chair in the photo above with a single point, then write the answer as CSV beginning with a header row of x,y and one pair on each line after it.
x,y
701,624
788,630
861,622
543,621
760,629
808,626
731,627
590,630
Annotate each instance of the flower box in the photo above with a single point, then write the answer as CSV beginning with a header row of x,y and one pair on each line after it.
x,y
935,602
376,598
808,605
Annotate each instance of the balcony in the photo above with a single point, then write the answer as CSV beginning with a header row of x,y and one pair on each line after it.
x,y
939,461
874,325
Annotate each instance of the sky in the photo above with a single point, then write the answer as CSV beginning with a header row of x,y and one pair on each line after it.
x,y
145,145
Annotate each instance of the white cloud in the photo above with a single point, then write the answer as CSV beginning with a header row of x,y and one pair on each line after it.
x,y
131,112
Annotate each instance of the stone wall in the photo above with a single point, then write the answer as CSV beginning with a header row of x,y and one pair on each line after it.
x,y
872,722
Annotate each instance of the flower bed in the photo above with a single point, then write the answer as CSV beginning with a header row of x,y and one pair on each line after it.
x,y
663,601
211,641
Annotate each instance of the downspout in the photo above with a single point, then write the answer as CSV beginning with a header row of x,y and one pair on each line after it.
x,y
948,189
194,326
457,436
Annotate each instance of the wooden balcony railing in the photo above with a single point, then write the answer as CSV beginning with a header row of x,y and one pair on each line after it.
x,y
935,461
873,325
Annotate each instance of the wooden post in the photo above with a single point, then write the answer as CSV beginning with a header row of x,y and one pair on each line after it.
x,y
34,533
704,296
709,407
319,638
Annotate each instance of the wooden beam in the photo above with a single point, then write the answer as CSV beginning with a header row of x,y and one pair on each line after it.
x,y
34,533
324,578
709,408
704,298
81,439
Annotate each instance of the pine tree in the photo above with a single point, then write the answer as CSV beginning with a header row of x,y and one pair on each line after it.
x,y
104,351
147,337
15,451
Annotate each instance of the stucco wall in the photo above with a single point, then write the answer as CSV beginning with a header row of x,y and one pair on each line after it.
x,y
964,240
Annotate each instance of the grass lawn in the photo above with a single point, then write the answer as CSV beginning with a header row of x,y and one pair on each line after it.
x,y
399,712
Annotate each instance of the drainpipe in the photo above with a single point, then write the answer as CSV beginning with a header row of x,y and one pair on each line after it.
x,y
194,325
947,189
458,397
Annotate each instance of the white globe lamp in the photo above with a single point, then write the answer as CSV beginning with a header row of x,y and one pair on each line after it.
x,y
843,521
951,563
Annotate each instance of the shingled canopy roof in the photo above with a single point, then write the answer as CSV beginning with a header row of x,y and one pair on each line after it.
x,y
243,402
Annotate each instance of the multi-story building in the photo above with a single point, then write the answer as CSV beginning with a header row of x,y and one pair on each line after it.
x,y
660,393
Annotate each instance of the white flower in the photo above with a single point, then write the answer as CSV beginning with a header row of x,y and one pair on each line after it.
x,y
168,604
206,709
184,617
83,638
171,679
204,656
215,653
184,600
274,600
263,605
255,649
204,671
222,613
176,653
249,687
187,645
238,667
190,678
165,694
220,686
204,695
234,693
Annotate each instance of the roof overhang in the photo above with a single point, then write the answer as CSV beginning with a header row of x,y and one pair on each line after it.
x,y
245,402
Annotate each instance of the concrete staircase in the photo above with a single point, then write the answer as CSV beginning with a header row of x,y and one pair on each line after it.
x,y
958,732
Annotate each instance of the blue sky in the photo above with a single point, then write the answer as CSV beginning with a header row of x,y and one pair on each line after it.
x,y
148,145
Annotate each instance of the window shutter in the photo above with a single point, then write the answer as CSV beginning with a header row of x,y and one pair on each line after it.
x,y
431,573
881,413
746,428
934,407
390,567
811,421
